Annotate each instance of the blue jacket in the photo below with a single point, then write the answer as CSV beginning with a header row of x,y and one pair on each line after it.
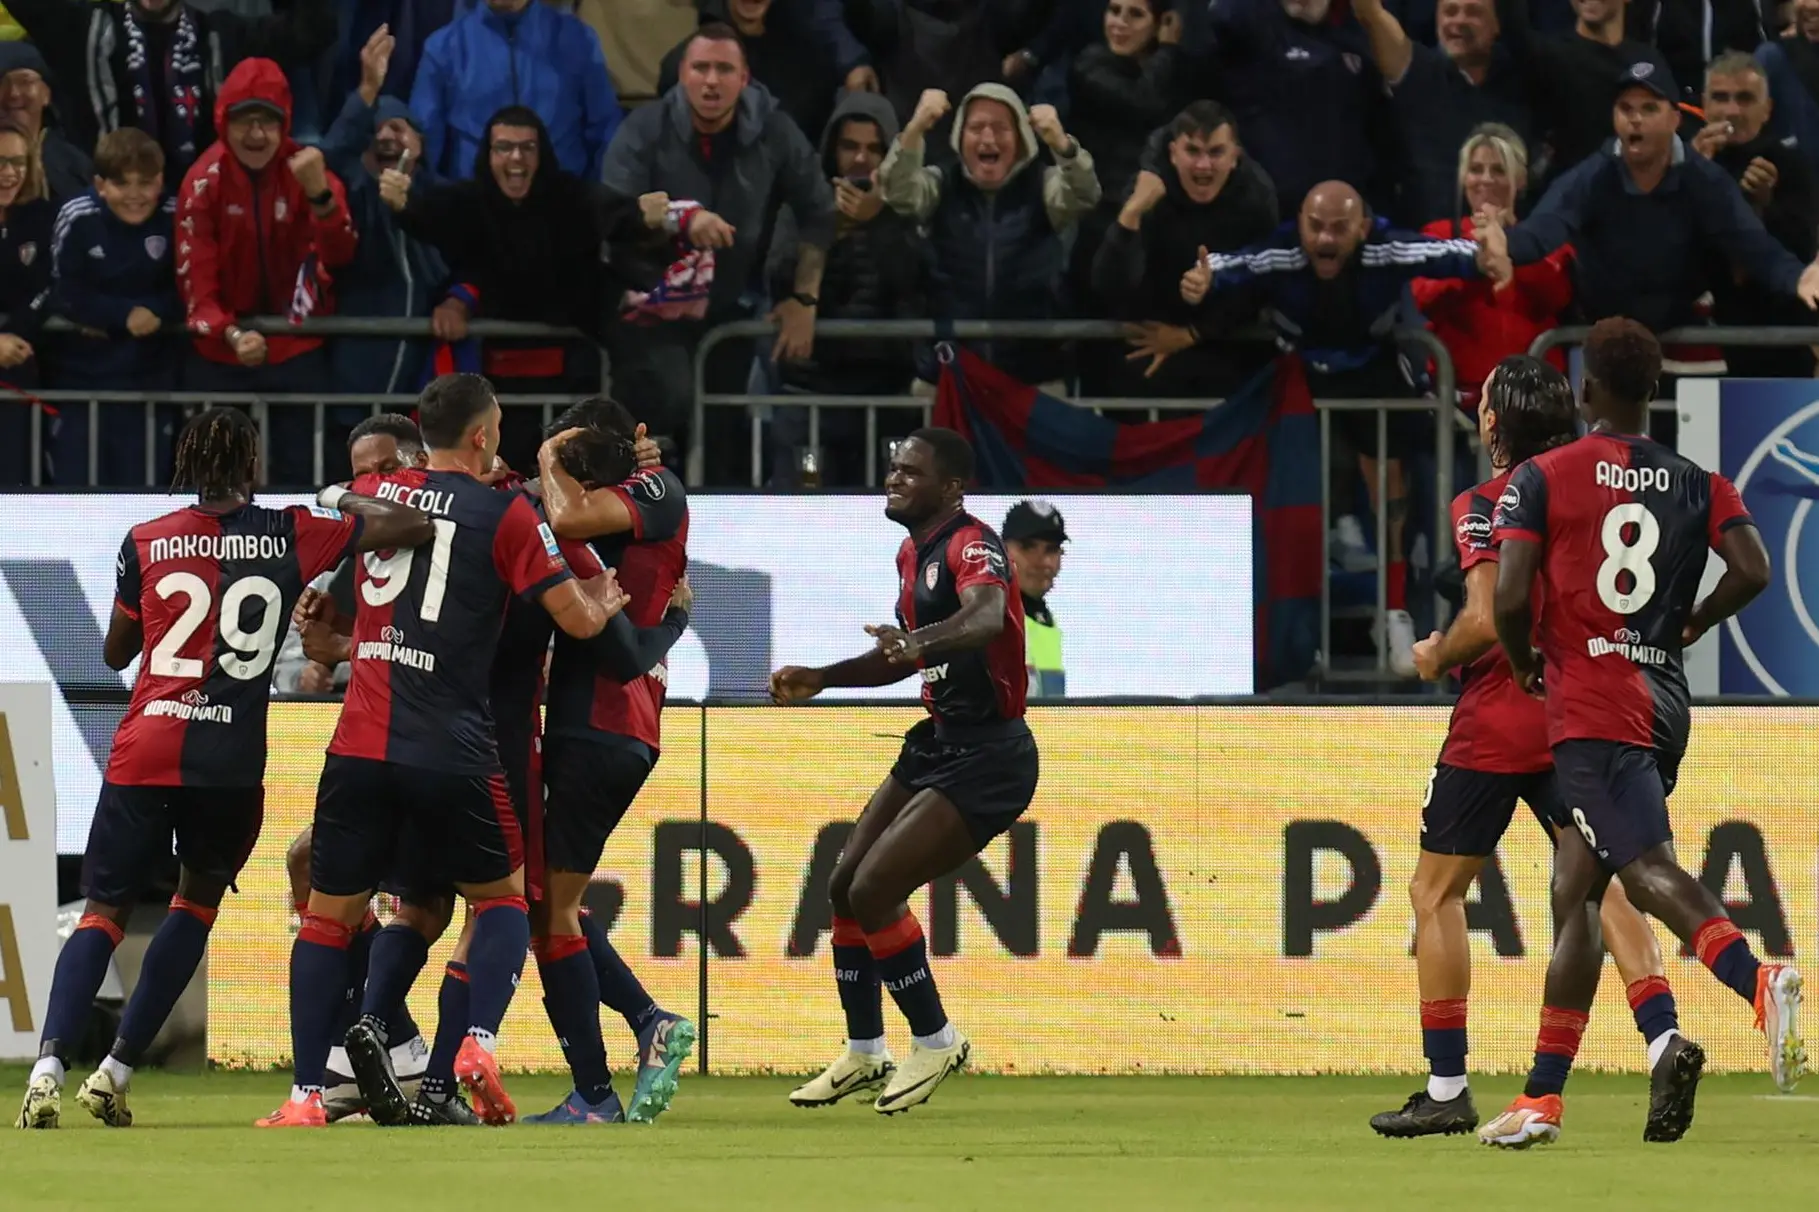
x,y
538,57
1341,323
102,269
1649,256
391,274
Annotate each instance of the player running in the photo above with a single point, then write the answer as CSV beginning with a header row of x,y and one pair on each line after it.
x,y
964,775
202,595
604,738
1614,530
1495,753
414,768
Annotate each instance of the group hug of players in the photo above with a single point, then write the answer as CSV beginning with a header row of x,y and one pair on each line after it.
x,y
1582,559
503,711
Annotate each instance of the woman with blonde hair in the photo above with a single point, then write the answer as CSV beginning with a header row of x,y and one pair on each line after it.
x,y
1478,323
26,218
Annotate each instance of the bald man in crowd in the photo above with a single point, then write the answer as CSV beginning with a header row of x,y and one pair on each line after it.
x,y
1332,283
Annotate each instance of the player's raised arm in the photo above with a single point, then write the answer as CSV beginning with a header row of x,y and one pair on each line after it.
x,y
574,511
388,525
1746,563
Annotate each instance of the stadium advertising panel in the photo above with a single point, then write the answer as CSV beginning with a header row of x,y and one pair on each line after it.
x,y
1764,435
1208,889
1154,600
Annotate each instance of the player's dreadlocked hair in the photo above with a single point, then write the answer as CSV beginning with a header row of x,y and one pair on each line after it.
x,y
216,453
1534,407
1624,358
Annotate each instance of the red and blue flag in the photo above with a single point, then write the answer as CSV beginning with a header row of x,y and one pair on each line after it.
x,y
1263,439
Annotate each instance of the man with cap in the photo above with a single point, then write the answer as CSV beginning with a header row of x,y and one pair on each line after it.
x,y
393,274
25,98
261,225
1033,533
1649,221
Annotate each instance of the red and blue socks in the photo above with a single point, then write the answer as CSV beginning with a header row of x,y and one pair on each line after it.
x,y
398,954
171,959
81,967
495,961
1652,1002
359,956
451,1029
319,965
571,996
1556,1044
900,956
1722,948
861,994
620,990
1443,1043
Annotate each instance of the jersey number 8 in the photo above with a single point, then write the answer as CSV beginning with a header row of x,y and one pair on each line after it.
x,y
386,577
252,651
1633,558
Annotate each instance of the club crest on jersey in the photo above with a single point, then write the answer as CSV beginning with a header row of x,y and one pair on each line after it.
x,y
931,575
28,252
549,540
156,247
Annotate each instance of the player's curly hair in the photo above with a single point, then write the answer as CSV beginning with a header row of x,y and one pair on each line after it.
x,y
1624,358
1534,407
217,453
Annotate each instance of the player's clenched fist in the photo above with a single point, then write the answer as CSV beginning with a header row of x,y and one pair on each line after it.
x,y
794,684
394,188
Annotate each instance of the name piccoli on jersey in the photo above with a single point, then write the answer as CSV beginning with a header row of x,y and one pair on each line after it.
x,y
429,500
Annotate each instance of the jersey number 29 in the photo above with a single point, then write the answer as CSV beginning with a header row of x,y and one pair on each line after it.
x,y
387,577
1633,558
252,651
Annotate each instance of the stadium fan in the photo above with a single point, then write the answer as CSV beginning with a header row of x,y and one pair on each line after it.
x,y
189,756
964,775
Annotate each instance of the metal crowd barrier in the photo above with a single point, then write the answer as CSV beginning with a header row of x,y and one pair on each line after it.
x,y
1769,337
1442,405
260,403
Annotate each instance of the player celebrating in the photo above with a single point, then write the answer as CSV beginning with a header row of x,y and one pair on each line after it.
x,y
1495,753
413,765
604,738
1614,529
202,595
964,775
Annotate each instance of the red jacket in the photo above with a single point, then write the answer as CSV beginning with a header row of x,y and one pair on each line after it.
x,y
1481,326
249,244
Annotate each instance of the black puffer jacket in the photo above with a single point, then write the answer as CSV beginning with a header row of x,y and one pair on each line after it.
x,y
1116,101
563,255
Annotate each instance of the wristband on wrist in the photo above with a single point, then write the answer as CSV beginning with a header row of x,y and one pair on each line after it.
x,y
330,497
323,198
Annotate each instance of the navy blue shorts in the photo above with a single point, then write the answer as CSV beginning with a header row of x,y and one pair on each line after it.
x,y
991,781
1468,811
1616,796
214,828
588,786
409,827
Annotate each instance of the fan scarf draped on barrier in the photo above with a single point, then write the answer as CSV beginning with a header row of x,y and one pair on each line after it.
x,y
1264,439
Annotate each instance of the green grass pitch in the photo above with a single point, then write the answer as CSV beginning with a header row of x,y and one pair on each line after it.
x,y
989,1143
